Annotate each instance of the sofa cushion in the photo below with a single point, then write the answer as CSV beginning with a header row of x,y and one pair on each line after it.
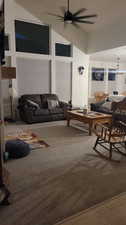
x,y
44,104
58,116
95,106
104,110
46,97
41,112
107,105
98,104
52,103
56,111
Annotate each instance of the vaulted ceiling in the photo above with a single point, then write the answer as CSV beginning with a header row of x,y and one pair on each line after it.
x,y
111,18
111,55
109,11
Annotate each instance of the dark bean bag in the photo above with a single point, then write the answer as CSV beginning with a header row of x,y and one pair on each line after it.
x,y
17,148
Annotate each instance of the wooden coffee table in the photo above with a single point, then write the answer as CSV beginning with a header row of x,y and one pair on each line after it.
x,y
90,118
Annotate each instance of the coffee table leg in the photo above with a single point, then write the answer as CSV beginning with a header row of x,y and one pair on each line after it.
x,y
90,129
68,122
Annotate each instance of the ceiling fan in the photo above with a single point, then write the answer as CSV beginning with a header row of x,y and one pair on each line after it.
x,y
73,18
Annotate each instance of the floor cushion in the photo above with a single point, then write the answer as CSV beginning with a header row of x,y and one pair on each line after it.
x,y
17,148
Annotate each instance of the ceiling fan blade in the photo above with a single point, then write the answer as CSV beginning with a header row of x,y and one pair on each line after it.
x,y
68,5
79,11
84,21
52,14
63,9
88,16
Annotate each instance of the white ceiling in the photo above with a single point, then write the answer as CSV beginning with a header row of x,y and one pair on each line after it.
x,y
109,11
110,55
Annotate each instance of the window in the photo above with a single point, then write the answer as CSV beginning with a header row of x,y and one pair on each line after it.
x,y
31,38
62,50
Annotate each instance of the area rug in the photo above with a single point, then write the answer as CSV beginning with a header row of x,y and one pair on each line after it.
x,y
49,186
29,137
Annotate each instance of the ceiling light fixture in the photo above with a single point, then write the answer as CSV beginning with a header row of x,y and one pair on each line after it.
x,y
118,70
118,65
68,17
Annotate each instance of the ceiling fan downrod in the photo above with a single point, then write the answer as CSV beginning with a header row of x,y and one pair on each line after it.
x,y
68,5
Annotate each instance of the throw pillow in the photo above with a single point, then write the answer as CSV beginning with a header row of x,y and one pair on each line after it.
x,y
52,103
107,105
98,104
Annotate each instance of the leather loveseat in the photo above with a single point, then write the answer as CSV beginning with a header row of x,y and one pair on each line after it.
x,y
35,108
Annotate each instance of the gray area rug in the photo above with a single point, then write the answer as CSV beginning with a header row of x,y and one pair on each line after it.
x,y
56,182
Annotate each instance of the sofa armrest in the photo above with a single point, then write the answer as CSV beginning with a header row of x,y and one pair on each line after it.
x,y
32,104
93,107
64,105
28,105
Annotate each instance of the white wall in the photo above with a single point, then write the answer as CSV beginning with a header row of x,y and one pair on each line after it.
x,y
107,86
79,83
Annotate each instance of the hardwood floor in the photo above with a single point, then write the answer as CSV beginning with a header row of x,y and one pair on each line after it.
x,y
110,212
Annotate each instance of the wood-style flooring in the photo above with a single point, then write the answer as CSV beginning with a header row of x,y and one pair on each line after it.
x,y
111,212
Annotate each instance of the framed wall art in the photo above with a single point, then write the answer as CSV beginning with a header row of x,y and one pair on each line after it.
x,y
112,74
98,74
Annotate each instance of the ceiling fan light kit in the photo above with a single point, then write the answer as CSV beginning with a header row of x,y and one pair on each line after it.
x,y
74,18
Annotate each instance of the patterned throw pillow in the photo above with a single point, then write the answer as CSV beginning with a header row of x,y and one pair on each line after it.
x,y
52,103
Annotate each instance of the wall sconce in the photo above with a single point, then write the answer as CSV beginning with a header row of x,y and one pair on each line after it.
x,y
81,70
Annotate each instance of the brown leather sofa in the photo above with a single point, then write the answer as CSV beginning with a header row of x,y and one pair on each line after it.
x,y
34,108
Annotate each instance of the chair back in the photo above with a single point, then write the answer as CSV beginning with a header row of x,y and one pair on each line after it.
x,y
118,111
112,136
